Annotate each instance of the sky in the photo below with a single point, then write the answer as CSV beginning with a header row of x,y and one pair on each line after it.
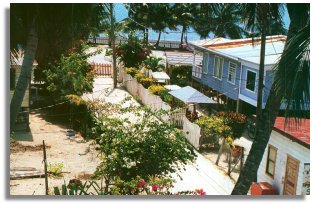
x,y
121,13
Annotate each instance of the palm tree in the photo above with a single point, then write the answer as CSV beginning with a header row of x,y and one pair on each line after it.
x,y
293,67
183,16
222,20
46,36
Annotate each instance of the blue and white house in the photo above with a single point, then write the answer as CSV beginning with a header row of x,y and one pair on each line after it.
x,y
231,67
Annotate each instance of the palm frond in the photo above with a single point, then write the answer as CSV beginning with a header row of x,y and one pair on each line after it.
x,y
292,74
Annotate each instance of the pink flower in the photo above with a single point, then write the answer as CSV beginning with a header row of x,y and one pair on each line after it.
x,y
154,187
200,192
141,183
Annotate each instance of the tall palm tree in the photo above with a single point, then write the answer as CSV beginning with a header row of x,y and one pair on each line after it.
x,y
293,67
45,36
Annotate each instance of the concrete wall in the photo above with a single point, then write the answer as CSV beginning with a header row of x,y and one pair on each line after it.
x,y
284,147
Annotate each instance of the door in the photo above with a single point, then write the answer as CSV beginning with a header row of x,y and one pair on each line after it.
x,y
291,176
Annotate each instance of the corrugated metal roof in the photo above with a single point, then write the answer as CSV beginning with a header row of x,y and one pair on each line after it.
x,y
191,95
299,133
249,50
182,58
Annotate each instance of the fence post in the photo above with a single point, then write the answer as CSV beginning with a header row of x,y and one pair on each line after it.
x,y
45,168
230,161
241,159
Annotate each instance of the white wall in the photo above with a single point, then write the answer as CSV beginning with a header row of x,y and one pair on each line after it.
x,y
284,146
192,132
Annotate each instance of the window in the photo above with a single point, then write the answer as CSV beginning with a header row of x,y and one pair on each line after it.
x,y
251,81
218,67
271,161
232,73
205,63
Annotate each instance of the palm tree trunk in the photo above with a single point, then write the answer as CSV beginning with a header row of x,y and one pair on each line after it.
x,y
265,126
157,43
182,33
112,37
24,78
263,132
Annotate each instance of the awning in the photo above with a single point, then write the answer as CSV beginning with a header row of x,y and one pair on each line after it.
x,y
190,95
172,87
160,76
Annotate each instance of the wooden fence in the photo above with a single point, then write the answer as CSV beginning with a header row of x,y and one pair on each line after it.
x,y
176,117
102,69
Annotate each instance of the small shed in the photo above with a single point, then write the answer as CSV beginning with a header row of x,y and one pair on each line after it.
x,y
286,160
161,77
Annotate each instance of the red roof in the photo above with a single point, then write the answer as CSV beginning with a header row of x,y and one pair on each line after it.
x,y
300,133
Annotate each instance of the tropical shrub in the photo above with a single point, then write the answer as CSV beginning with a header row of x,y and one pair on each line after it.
x,y
155,89
154,185
152,63
144,147
132,53
212,129
235,120
71,75
146,82
132,71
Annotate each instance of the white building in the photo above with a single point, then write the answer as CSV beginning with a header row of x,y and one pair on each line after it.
x,y
286,161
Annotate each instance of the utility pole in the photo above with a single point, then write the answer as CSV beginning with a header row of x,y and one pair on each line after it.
x,y
112,35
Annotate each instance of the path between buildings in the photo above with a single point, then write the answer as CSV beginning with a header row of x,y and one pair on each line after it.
x,y
202,174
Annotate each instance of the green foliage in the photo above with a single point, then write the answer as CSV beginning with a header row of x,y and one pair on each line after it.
x,y
156,89
181,75
147,82
142,147
152,63
168,98
72,75
55,169
212,129
235,120
154,185
132,53
132,71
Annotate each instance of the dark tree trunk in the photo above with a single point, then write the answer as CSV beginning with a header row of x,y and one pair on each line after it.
x,y
181,41
112,37
157,43
24,78
266,121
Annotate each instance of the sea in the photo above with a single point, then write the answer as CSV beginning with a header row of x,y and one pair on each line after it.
x,y
170,35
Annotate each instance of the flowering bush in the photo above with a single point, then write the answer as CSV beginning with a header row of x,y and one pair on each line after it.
x,y
146,82
213,128
155,89
139,76
131,71
235,120
132,53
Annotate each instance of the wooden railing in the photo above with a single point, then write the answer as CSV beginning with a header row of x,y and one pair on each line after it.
x,y
162,43
102,69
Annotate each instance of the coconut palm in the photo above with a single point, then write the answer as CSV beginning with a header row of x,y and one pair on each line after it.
x,y
293,67
45,36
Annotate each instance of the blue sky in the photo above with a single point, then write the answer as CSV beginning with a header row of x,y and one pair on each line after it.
x,y
121,12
